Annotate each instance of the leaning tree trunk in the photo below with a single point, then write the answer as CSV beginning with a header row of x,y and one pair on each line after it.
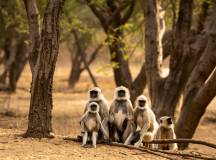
x,y
200,88
81,60
119,60
14,60
40,113
17,66
82,55
75,69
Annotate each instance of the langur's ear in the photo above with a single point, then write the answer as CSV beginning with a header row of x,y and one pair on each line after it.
x,y
161,121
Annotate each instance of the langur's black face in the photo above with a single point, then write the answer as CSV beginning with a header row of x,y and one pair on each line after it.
x,y
121,93
169,121
142,103
93,94
93,107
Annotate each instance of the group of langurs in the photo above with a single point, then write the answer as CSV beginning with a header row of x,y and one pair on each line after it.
x,y
123,123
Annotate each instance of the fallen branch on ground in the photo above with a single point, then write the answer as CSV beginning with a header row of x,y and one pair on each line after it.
x,y
193,141
143,150
125,146
173,155
164,141
183,155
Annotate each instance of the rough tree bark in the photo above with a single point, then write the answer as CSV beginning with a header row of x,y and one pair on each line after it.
x,y
153,55
42,65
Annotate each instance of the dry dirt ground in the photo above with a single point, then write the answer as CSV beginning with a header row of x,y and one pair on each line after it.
x,y
68,107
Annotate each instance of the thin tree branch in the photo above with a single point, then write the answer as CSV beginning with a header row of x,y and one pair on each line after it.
x,y
117,11
94,53
128,13
83,58
193,141
97,11
93,56
141,149
183,155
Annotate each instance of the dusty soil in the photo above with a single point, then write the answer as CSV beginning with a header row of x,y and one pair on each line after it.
x,y
68,107
14,147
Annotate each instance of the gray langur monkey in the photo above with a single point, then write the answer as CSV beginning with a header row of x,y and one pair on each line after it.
x,y
95,95
121,116
145,121
166,131
91,124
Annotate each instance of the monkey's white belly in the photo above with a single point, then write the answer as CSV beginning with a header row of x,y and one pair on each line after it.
x,y
91,124
119,118
140,121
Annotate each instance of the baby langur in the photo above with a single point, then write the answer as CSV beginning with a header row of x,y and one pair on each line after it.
x,y
166,131
95,95
91,123
121,115
145,121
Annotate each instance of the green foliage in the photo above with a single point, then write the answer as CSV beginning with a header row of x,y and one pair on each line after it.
x,y
77,16
13,19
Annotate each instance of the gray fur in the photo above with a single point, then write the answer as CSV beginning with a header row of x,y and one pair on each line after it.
x,y
91,123
121,110
166,131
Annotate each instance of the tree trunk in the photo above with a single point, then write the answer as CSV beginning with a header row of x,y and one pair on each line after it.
x,y
15,58
6,48
166,91
191,115
19,62
83,58
75,70
200,89
119,59
78,65
190,56
153,54
40,113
